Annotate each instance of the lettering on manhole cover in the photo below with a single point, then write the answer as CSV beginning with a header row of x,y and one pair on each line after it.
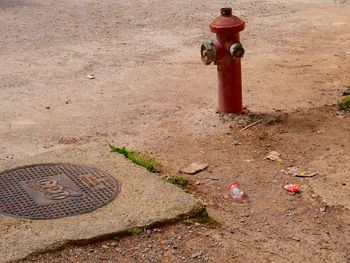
x,y
48,191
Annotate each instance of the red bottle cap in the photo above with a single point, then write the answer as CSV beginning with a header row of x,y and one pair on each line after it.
x,y
233,184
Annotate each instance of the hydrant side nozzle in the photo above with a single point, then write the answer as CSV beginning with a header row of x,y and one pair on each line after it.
x,y
236,50
208,53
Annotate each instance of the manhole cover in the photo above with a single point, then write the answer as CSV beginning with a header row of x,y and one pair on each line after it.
x,y
47,191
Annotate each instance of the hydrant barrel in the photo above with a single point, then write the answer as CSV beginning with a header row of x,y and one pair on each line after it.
x,y
226,52
230,86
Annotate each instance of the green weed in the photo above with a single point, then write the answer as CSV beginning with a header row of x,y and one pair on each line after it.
x,y
143,159
264,135
204,218
135,231
344,104
180,181
275,120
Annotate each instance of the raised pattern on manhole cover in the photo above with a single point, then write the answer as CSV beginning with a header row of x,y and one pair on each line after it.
x,y
47,191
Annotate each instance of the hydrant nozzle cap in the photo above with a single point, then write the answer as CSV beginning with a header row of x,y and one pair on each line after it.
x,y
227,21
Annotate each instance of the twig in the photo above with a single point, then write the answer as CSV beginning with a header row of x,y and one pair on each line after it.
x,y
250,125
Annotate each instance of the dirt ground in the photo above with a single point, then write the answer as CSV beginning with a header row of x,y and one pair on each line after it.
x,y
151,92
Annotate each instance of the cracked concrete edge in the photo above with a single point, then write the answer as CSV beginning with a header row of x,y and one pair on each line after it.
x,y
192,213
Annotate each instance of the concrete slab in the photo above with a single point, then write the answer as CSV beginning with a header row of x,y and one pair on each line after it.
x,y
144,200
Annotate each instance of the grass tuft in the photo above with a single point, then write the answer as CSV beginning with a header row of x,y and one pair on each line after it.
x,y
135,231
204,218
344,104
143,159
275,120
180,181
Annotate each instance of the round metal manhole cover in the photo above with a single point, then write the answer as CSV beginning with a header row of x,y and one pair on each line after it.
x,y
47,191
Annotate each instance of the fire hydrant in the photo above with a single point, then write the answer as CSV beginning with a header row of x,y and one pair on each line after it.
x,y
226,52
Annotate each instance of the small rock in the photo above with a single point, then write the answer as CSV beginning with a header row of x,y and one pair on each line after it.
x,y
105,246
323,209
196,255
198,183
296,238
48,107
236,143
346,92
194,168
90,76
274,156
293,171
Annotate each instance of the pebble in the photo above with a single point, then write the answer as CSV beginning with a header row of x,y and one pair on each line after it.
x,y
90,76
194,168
196,255
296,238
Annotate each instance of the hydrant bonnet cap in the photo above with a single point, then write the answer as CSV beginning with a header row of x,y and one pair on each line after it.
x,y
227,21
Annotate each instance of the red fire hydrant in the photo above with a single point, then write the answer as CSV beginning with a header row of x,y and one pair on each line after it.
x,y
226,52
